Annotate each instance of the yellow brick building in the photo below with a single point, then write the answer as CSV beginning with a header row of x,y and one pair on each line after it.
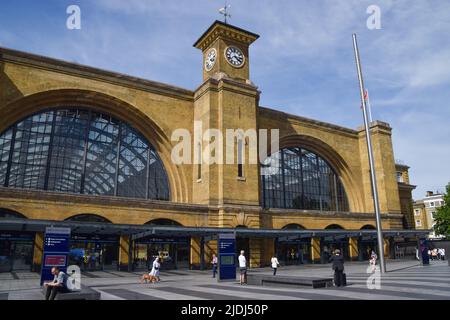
x,y
117,166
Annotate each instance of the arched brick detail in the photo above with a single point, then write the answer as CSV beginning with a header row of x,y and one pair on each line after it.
x,y
339,165
101,102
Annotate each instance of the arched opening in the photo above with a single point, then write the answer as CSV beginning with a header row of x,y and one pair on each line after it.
x,y
16,247
294,226
174,251
88,218
367,244
298,178
93,251
334,227
243,243
164,222
330,243
80,150
10,214
293,250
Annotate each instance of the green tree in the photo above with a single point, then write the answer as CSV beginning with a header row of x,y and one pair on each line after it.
x,y
442,218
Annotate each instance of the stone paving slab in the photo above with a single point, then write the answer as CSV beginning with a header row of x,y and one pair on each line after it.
x,y
409,281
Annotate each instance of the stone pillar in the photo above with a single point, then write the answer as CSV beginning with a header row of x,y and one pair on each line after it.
x,y
255,253
391,248
124,253
267,251
360,250
386,247
202,253
211,248
315,250
195,253
38,252
353,251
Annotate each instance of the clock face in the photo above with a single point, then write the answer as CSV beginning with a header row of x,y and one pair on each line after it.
x,y
234,56
210,59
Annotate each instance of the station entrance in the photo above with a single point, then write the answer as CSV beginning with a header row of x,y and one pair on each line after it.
x,y
174,253
94,253
16,251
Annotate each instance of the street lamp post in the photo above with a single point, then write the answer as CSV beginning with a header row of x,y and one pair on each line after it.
x,y
371,160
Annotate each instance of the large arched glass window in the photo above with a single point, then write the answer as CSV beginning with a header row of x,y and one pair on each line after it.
x,y
81,151
300,179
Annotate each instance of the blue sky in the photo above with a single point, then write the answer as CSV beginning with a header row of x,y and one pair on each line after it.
x,y
303,62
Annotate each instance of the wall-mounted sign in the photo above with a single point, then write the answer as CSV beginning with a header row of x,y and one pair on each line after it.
x,y
56,250
227,257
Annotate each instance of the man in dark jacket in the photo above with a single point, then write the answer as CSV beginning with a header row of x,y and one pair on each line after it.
x,y
338,266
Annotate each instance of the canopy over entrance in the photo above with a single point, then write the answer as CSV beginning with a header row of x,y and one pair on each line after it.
x,y
140,231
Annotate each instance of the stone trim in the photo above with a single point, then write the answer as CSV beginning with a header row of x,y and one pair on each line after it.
x,y
220,29
74,69
314,123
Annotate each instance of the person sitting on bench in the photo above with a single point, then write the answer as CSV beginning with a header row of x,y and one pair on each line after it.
x,y
58,285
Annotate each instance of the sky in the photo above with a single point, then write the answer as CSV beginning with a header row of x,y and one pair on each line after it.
x,y
303,61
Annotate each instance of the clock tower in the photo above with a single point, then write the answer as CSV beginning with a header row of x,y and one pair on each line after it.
x,y
227,100
226,51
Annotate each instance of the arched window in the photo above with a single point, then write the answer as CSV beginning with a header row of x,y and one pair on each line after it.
x,y
81,151
88,218
368,227
164,222
293,226
10,214
300,179
334,227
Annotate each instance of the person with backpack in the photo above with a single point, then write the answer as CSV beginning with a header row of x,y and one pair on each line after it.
x,y
338,266
58,285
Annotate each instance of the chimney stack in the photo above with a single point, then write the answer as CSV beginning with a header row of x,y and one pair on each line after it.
x,y
429,193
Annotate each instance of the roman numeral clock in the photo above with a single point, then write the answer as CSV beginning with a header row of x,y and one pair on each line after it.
x,y
225,51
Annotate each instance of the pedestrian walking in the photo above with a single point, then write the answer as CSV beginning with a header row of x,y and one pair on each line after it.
x,y
242,268
338,266
274,263
441,253
154,273
214,265
373,261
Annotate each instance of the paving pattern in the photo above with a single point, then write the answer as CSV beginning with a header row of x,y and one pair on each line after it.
x,y
406,281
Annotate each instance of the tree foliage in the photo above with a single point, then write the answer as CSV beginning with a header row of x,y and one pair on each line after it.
x,y
442,217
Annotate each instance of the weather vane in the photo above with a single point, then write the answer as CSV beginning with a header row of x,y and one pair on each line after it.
x,y
224,11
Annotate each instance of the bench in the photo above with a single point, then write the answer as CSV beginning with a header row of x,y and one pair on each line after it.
x,y
270,280
85,293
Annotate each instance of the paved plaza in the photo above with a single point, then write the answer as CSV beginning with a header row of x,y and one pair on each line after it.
x,y
406,280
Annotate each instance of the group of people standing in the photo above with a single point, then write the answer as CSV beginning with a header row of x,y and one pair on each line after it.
x,y
436,254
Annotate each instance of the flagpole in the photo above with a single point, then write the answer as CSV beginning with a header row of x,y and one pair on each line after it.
x,y
369,107
371,158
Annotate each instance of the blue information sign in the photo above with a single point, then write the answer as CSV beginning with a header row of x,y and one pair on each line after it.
x,y
227,257
56,250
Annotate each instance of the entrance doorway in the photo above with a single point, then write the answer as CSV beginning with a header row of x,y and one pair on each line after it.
x,y
174,253
294,252
16,252
94,254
